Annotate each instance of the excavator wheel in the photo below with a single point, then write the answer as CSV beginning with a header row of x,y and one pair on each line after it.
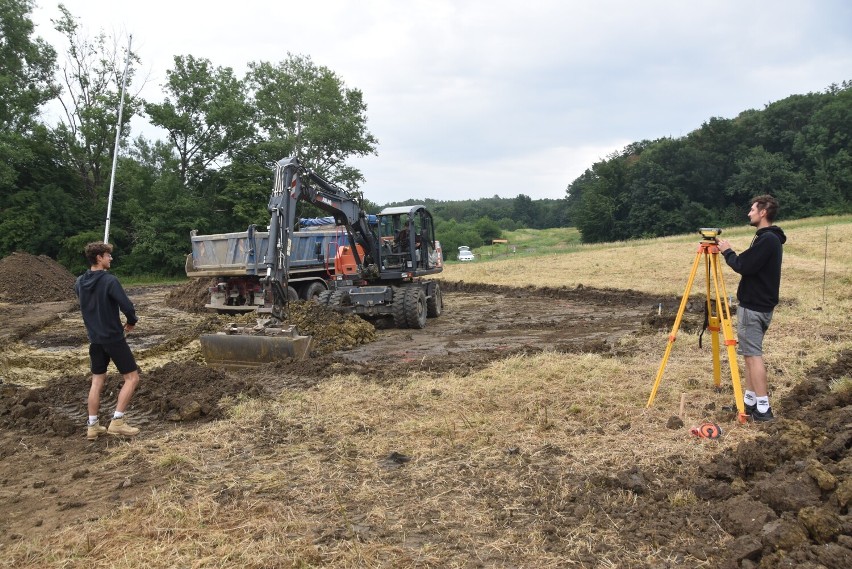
x,y
338,299
415,307
435,303
324,297
399,319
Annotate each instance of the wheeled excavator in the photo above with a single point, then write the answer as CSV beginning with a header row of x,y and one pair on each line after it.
x,y
381,269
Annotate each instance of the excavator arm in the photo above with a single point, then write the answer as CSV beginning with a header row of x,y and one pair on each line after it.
x,y
294,182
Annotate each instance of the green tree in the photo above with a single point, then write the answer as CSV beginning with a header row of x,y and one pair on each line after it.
x,y
525,211
26,82
39,206
26,67
206,114
307,111
92,75
487,229
826,144
600,201
762,172
452,235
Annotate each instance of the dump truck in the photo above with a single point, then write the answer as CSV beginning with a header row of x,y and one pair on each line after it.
x,y
378,268
233,261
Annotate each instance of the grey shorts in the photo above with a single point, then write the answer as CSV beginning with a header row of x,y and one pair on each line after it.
x,y
751,327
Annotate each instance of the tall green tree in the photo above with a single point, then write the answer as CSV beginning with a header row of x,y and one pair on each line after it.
x,y
307,111
26,82
91,75
26,67
36,205
206,114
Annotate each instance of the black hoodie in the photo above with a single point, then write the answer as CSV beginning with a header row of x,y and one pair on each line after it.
x,y
760,267
101,297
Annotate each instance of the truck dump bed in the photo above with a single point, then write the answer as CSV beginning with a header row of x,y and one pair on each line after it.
x,y
241,254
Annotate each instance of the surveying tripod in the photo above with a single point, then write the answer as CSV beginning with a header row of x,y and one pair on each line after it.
x,y
718,313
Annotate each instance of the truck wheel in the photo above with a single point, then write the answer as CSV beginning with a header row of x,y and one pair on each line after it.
x,y
324,297
292,295
415,307
399,319
312,291
435,303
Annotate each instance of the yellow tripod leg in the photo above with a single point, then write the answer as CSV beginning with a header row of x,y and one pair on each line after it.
x,y
675,326
724,310
713,326
712,320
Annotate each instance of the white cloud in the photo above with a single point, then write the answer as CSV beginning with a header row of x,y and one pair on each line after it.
x,y
469,98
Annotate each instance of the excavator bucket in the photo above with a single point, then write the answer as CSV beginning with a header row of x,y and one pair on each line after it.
x,y
237,349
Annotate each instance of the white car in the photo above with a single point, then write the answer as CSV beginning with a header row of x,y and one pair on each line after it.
x,y
465,254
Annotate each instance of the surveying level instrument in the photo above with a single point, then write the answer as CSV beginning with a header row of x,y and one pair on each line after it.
x,y
718,313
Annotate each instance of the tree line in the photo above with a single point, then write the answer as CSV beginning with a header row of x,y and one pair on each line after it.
x,y
798,149
211,171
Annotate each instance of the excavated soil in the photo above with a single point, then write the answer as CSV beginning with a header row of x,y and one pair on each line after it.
x,y
784,497
25,279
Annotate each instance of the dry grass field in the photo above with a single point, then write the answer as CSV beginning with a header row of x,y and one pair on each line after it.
x,y
539,457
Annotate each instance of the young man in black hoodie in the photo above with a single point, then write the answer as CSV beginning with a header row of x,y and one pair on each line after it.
x,y
760,267
101,299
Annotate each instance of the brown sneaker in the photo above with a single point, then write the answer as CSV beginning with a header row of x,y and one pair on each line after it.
x,y
120,428
94,431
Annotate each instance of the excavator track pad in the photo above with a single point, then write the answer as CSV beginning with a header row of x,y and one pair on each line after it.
x,y
243,347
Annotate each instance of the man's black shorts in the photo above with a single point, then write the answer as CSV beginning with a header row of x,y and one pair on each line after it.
x,y
119,352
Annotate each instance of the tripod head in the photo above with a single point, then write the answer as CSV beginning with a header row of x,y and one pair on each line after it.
x,y
710,233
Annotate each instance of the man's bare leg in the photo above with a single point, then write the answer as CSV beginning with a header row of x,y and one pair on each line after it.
x,y
131,380
756,375
94,403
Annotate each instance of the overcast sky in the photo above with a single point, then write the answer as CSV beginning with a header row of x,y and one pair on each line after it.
x,y
478,98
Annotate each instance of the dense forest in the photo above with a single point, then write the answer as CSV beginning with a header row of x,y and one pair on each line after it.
x,y
211,172
798,149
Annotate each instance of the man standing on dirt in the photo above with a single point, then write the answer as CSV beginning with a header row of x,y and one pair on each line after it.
x,y
101,298
760,267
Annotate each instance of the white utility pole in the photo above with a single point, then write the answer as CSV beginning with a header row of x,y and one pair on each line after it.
x,y
117,138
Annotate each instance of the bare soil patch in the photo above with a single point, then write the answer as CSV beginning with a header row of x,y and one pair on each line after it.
x,y
782,498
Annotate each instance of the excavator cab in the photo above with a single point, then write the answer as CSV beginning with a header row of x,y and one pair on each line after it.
x,y
407,237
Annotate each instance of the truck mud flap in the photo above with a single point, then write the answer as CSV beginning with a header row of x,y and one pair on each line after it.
x,y
234,351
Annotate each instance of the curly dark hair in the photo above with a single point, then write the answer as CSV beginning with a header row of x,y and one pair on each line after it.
x,y
93,250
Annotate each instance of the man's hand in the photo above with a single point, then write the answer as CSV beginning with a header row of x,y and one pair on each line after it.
x,y
129,328
723,244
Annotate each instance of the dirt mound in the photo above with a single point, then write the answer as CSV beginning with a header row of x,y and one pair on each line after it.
x,y
25,279
174,392
330,330
190,296
786,496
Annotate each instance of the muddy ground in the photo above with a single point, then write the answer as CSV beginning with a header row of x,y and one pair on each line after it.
x,y
784,497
